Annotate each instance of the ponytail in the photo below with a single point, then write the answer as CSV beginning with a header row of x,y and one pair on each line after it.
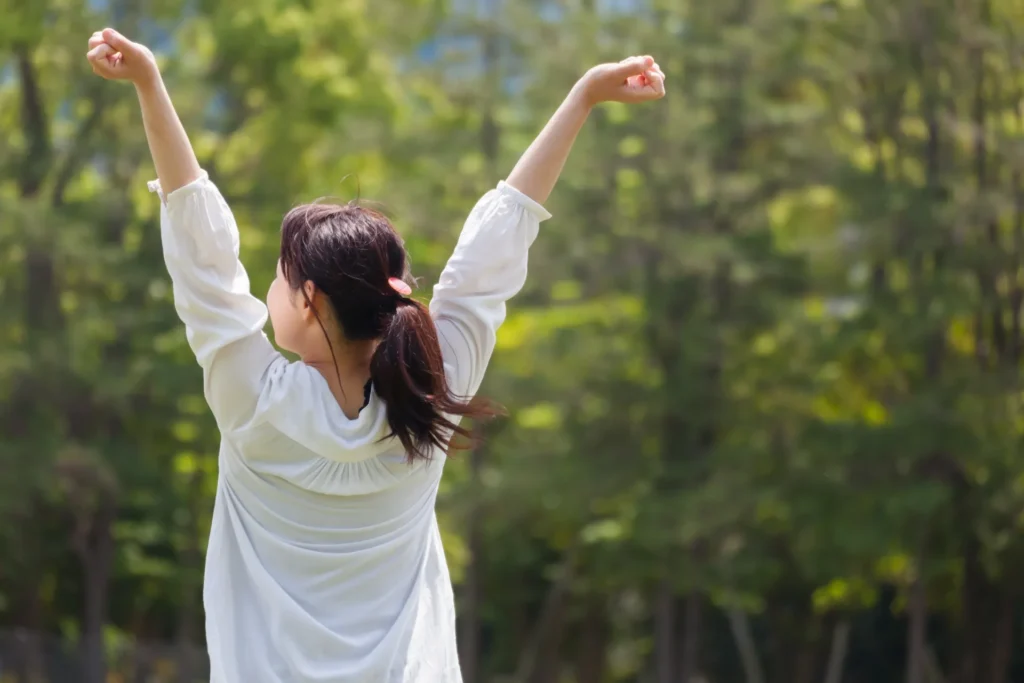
x,y
407,371
354,256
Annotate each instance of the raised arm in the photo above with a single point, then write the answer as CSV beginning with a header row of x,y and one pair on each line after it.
x,y
489,264
223,321
115,57
636,79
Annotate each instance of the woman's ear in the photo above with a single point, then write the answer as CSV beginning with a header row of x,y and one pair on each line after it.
x,y
306,305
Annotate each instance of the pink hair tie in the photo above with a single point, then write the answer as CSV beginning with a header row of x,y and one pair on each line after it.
x,y
399,286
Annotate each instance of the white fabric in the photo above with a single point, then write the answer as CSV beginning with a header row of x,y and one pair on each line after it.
x,y
325,561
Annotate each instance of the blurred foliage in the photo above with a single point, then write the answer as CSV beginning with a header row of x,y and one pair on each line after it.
x,y
764,381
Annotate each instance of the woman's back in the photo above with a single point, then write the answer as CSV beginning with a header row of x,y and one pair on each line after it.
x,y
325,561
322,568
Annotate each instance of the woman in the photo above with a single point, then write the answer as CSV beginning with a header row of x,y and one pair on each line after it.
x,y
324,561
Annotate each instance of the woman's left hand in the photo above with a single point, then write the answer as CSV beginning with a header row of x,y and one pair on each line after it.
x,y
636,79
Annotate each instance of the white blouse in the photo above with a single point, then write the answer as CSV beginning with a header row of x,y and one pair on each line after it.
x,y
325,561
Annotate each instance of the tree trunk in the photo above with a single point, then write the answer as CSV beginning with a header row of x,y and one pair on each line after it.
x,y
32,663
932,667
664,632
90,492
1002,642
988,627
739,623
546,661
97,562
692,624
837,652
803,669
32,660
35,125
536,662
592,657
469,619
917,623
192,559
980,605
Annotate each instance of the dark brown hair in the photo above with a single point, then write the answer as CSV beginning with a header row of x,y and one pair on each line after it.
x,y
349,252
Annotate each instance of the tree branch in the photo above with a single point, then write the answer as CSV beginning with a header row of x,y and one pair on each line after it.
x,y
837,652
739,623
72,161
35,124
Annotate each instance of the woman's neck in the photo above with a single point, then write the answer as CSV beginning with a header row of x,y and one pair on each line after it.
x,y
347,373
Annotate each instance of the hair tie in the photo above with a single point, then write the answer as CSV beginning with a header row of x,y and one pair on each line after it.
x,y
400,286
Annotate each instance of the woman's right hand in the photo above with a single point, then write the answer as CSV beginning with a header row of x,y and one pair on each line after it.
x,y
116,58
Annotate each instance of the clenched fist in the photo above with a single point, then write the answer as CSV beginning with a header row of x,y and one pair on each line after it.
x,y
636,79
114,57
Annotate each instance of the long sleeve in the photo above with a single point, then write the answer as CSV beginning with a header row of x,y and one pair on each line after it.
x,y
223,321
487,269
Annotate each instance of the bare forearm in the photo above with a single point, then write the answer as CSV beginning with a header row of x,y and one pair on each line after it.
x,y
114,57
538,169
175,161
636,79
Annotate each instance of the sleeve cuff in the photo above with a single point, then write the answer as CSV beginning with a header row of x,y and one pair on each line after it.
x,y
184,190
531,205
